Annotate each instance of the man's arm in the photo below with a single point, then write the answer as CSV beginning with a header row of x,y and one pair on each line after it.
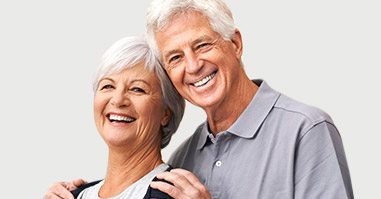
x,y
321,169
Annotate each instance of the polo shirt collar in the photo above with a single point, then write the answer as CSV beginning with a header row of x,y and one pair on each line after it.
x,y
248,123
204,135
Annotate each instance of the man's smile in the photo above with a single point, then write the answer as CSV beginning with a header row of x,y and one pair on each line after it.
x,y
204,80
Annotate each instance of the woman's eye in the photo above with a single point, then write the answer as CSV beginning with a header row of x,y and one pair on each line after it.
x,y
107,86
138,90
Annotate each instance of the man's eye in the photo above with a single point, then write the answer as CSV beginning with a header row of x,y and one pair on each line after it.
x,y
138,90
107,86
203,45
174,59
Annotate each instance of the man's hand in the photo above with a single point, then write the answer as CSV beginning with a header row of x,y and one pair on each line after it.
x,y
185,185
61,190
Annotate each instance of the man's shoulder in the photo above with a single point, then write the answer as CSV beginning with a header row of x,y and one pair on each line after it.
x,y
192,140
187,147
311,114
286,108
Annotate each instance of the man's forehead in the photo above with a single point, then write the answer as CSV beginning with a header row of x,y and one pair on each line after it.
x,y
184,19
184,30
167,50
184,15
175,38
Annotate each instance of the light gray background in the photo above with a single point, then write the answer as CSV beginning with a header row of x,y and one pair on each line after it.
x,y
325,53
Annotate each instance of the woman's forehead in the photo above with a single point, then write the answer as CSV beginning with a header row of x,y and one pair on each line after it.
x,y
136,72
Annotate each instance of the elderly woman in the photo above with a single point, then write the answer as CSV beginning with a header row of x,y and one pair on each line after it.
x,y
136,111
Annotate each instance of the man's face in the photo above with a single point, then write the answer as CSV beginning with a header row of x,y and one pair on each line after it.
x,y
200,63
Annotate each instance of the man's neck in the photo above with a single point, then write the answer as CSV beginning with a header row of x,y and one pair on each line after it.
x,y
227,112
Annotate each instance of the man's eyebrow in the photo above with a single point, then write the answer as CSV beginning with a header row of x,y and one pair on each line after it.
x,y
194,42
167,54
201,39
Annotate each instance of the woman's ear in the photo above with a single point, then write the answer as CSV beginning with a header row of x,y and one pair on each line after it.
x,y
237,43
167,116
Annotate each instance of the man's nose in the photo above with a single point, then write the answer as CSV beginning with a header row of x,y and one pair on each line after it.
x,y
193,63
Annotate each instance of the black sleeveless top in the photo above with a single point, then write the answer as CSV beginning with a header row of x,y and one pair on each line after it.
x,y
150,194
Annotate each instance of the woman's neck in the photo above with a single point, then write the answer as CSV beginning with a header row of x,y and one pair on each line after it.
x,y
125,167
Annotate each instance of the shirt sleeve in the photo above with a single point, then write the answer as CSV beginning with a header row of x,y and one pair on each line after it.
x,y
321,169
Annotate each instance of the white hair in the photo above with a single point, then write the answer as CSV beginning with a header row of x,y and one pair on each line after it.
x,y
127,53
160,13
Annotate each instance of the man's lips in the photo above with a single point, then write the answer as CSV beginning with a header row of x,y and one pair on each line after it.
x,y
204,80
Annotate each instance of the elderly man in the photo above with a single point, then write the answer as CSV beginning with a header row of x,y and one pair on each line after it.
x,y
256,142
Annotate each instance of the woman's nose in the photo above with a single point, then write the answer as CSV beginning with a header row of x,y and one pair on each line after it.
x,y
120,98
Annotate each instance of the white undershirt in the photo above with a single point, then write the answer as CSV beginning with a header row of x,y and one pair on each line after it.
x,y
136,190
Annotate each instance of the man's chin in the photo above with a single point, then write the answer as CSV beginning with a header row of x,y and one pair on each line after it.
x,y
206,102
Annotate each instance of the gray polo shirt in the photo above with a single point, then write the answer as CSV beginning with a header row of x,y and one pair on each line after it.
x,y
277,148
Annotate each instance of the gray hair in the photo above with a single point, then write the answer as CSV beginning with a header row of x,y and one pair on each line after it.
x,y
160,13
126,53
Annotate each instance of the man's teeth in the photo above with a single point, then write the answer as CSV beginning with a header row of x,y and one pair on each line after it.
x,y
120,118
205,80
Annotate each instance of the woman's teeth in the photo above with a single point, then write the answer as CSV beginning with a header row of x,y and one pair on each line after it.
x,y
119,118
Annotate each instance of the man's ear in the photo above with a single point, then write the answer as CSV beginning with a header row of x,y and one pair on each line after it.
x,y
167,116
237,43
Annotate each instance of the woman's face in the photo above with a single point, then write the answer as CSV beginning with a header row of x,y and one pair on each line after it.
x,y
129,109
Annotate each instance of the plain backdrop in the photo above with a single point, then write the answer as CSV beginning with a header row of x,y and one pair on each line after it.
x,y
324,53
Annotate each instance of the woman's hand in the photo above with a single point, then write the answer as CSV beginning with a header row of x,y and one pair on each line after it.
x,y
185,185
61,190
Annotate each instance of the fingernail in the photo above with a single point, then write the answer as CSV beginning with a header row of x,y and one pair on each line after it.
x,y
152,184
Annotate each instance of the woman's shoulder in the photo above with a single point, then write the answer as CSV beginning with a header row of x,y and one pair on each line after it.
x,y
155,193
77,191
150,194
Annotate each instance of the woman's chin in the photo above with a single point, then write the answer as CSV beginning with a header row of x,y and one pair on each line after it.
x,y
118,141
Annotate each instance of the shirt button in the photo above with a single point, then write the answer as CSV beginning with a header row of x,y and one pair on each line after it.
x,y
218,163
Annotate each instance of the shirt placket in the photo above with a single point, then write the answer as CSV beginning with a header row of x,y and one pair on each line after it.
x,y
218,164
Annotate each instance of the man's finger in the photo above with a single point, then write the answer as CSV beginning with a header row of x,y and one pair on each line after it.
x,y
166,188
188,175
180,181
51,196
197,190
79,182
60,191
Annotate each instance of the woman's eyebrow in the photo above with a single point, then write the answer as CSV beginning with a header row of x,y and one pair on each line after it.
x,y
106,79
140,80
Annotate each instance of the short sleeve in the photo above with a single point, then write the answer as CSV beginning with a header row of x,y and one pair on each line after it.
x,y
321,169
